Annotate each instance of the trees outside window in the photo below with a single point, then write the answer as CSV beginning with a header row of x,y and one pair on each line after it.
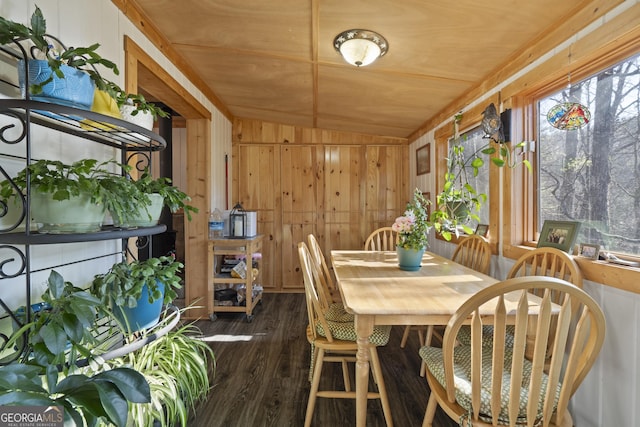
x,y
592,174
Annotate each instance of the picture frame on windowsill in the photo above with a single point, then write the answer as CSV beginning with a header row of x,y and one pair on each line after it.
x,y
588,250
559,234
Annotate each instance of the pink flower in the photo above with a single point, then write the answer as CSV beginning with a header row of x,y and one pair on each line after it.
x,y
404,224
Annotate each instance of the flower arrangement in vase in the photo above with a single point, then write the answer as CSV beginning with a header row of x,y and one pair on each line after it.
x,y
414,225
412,229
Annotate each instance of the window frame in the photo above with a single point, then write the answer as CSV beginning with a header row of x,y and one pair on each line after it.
x,y
520,209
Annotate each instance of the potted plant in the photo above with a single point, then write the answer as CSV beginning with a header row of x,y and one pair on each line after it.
x,y
47,374
172,197
164,363
412,229
57,62
72,198
135,291
128,205
151,195
459,202
136,109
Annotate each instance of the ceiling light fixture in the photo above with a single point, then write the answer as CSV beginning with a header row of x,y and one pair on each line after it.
x,y
360,47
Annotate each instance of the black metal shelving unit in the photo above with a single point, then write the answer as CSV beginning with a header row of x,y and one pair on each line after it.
x,y
21,115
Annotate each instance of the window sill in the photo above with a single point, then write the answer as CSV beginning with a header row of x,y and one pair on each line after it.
x,y
614,275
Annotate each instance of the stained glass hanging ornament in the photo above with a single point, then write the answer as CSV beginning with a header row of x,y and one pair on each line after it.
x,y
568,115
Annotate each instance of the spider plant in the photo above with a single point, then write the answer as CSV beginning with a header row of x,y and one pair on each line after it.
x,y
176,368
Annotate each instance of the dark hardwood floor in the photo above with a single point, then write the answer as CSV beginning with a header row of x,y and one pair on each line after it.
x,y
261,378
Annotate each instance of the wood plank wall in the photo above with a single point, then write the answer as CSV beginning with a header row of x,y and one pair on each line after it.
x,y
339,186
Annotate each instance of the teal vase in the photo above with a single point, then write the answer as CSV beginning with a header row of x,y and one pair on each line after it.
x,y
409,259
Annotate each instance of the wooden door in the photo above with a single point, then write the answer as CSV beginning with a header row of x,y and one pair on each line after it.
x,y
302,183
256,180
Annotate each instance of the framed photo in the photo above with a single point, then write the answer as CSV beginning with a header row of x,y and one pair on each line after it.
x,y
482,230
559,234
423,159
588,250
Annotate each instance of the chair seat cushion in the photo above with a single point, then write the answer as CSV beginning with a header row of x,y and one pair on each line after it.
x,y
464,335
342,326
462,379
337,313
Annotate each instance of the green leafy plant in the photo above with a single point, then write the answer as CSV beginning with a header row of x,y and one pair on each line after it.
x,y
47,374
81,58
174,198
176,367
138,101
459,202
413,226
124,282
60,179
88,176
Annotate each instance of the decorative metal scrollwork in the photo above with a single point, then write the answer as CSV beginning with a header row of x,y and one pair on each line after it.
x,y
143,160
5,131
13,210
8,261
142,242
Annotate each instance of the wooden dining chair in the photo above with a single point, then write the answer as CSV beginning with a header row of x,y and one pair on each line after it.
x,y
332,336
325,276
382,239
548,262
491,382
472,251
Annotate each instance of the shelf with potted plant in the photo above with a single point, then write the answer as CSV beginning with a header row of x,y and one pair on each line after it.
x,y
68,202
63,88
54,362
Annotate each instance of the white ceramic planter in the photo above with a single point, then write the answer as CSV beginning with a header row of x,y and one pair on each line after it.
x,y
144,217
144,119
76,215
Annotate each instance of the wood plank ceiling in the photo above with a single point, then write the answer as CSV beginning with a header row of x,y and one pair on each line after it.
x,y
274,60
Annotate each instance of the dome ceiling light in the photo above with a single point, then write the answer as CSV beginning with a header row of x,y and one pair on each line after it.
x,y
360,47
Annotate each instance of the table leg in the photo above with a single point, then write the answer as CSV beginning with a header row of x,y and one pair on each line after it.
x,y
364,329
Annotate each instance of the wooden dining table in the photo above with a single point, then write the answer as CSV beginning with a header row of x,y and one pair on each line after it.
x,y
378,292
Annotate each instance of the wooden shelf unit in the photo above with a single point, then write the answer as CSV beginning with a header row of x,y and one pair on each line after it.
x,y
218,249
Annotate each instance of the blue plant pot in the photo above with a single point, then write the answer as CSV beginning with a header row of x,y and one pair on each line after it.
x,y
74,90
144,315
409,259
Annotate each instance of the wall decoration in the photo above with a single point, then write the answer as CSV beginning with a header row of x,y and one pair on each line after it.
x,y
559,234
423,159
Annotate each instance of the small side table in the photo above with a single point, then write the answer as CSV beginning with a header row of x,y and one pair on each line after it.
x,y
218,249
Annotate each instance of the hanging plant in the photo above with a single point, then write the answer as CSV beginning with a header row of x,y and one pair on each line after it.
x,y
460,202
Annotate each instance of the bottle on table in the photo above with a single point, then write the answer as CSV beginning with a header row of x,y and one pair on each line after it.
x,y
216,224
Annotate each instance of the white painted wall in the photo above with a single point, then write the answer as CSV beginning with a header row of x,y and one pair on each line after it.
x,y
82,23
610,395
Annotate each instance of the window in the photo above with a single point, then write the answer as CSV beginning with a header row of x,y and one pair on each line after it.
x,y
592,174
